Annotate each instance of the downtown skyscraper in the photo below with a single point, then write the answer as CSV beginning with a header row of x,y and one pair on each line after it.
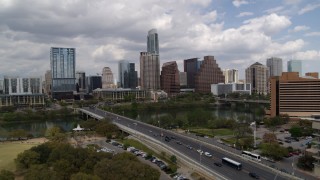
x,y
150,63
63,64
128,76
295,66
275,66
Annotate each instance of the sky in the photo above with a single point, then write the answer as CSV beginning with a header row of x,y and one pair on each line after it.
x,y
237,32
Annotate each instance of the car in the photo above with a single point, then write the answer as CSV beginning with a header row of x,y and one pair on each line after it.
x,y
167,139
208,154
189,147
253,175
218,164
178,142
283,170
309,137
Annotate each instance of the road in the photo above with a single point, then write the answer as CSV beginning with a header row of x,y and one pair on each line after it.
x,y
230,173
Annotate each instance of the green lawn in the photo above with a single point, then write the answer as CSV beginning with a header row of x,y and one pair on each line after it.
x,y
9,151
215,132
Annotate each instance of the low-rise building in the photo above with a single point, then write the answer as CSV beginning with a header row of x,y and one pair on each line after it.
x,y
224,89
119,94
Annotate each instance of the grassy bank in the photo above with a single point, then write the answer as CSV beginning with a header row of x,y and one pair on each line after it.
x,y
10,150
212,132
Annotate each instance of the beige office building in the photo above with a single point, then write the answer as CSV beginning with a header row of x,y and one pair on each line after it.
x,y
149,71
107,78
257,75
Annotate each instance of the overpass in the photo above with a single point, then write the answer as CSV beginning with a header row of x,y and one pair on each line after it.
x,y
152,135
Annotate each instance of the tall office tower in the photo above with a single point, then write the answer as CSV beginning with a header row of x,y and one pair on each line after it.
x,y
1,86
132,76
123,68
107,78
128,76
183,79
295,96
63,64
209,73
257,75
47,83
22,86
191,67
295,66
93,82
153,42
80,81
169,78
231,76
275,66
149,71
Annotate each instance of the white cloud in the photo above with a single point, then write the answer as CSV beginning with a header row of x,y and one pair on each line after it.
x,y
313,34
292,2
274,10
299,28
308,7
308,55
269,24
238,3
242,14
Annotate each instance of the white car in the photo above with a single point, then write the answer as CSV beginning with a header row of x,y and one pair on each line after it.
x,y
200,151
208,154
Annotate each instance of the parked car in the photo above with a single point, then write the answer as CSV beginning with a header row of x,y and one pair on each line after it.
x,y
189,147
218,164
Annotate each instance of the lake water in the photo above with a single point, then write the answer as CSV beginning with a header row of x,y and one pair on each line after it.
x,y
38,128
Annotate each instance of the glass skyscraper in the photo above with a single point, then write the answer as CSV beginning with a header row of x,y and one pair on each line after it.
x,y
275,66
295,66
153,42
63,62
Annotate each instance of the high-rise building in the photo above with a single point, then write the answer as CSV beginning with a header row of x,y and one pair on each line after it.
x,y
295,66
93,82
275,66
107,78
48,83
132,76
128,76
208,73
149,71
153,42
257,75
1,86
63,63
231,76
183,79
295,96
191,67
80,81
169,79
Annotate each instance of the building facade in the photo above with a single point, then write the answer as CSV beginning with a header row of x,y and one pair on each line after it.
x,y
169,79
225,89
191,67
295,66
107,78
295,96
183,79
153,42
93,82
275,66
128,76
80,81
119,94
63,64
149,71
231,76
209,73
48,83
17,86
257,75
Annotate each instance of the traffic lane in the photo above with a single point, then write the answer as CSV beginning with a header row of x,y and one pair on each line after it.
x,y
126,120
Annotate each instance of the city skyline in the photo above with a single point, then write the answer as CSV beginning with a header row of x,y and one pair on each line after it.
x,y
237,33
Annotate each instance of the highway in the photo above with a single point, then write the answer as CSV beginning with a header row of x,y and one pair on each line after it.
x,y
154,132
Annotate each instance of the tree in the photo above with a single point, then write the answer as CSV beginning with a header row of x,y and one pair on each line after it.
x,y
6,175
306,163
84,176
26,159
173,159
40,172
274,151
269,138
295,131
19,133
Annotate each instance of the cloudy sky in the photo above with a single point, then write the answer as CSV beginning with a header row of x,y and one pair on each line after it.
x,y
238,33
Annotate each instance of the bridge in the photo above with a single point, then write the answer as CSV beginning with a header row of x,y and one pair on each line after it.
x,y
152,135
